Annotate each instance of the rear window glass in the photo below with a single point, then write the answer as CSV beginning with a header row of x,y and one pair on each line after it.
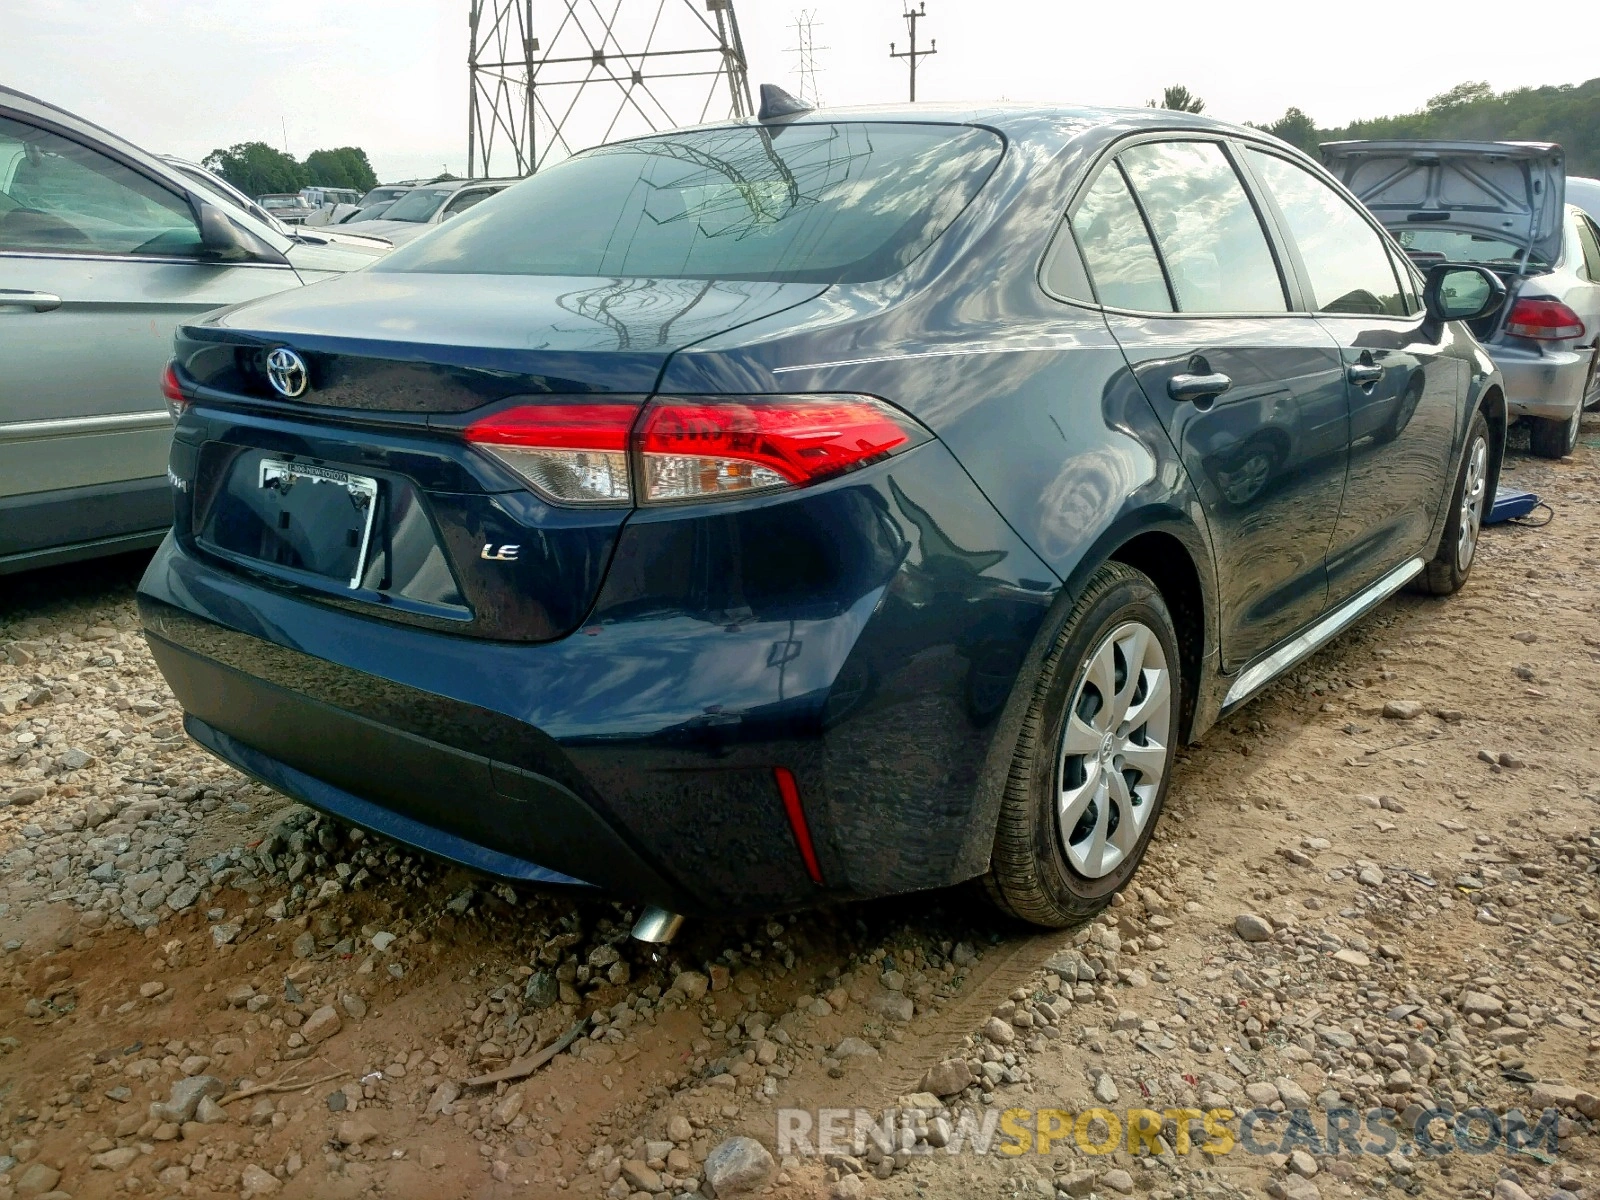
x,y
817,203
419,204
1457,246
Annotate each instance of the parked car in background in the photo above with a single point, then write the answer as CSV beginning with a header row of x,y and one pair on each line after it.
x,y
383,193
784,511
423,207
288,207
366,214
327,197
103,250
1501,205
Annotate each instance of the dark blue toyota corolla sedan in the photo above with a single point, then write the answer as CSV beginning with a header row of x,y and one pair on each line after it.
x,y
818,507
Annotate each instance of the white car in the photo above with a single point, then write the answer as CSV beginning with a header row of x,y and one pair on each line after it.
x,y
1501,205
420,209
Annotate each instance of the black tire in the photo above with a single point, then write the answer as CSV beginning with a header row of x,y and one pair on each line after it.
x,y
1447,572
1554,439
1030,874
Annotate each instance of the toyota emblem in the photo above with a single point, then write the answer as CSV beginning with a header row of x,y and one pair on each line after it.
x,y
286,372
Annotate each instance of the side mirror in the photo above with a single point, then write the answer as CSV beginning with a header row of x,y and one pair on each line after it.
x,y
1455,293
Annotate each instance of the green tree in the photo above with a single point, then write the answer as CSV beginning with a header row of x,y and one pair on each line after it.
x,y
345,167
256,169
1294,127
1462,93
1180,99
1567,114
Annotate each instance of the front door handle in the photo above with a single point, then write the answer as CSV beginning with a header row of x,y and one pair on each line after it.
x,y
37,301
1197,387
1364,374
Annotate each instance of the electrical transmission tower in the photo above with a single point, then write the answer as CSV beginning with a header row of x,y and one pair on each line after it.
x,y
549,77
805,50
913,15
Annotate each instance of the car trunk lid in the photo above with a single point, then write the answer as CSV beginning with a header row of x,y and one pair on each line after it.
x,y
1512,191
363,491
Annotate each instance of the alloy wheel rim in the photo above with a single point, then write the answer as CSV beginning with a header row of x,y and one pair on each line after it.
x,y
1113,752
1472,493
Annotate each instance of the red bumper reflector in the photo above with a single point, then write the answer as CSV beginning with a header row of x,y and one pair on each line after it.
x,y
790,792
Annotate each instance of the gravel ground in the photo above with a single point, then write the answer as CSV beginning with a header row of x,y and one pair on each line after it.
x,y
1377,887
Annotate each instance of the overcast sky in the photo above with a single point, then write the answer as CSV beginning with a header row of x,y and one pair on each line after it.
x,y
185,77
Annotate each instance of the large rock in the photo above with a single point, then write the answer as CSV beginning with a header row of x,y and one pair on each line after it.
x,y
321,1025
37,1179
895,1006
737,1166
257,1181
1252,928
692,984
356,1131
1001,1033
185,1098
947,1078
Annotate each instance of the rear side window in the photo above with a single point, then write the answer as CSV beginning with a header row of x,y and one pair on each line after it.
x,y
1116,247
811,203
1344,256
58,195
1591,248
1210,236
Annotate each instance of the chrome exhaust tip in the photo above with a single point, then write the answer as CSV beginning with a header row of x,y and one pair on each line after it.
x,y
657,926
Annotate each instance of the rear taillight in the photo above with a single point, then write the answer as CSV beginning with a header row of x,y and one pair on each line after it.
x,y
697,449
177,402
1546,320
570,453
691,448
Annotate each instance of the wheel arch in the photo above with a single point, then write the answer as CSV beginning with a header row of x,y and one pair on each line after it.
x,y
1172,547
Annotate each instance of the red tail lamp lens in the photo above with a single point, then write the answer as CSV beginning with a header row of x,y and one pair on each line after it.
x,y
172,392
702,448
571,453
1545,320
691,447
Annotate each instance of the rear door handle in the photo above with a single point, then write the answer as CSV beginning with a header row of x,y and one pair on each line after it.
x,y
1197,387
37,301
1364,374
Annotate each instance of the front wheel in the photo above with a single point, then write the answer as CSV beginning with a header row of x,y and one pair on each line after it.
x,y
1459,546
1094,755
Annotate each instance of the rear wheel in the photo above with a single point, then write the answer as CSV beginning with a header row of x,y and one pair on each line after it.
x,y
1459,547
1553,438
1094,755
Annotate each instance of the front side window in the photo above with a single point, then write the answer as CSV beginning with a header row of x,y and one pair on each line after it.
x,y
1344,256
465,200
57,195
810,203
1210,236
1122,262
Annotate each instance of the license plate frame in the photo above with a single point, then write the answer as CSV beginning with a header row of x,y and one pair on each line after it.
x,y
281,475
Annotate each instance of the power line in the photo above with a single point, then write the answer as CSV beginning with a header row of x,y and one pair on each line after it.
x,y
595,72
806,50
913,15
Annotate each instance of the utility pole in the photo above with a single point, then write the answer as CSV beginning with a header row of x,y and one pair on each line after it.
x,y
913,15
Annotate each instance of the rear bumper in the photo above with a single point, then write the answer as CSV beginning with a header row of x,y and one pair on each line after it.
x,y
1542,385
637,755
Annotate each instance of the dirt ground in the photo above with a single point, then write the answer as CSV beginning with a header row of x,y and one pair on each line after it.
x,y
1378,886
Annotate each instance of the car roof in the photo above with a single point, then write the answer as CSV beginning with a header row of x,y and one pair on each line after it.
x,y
1022,122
